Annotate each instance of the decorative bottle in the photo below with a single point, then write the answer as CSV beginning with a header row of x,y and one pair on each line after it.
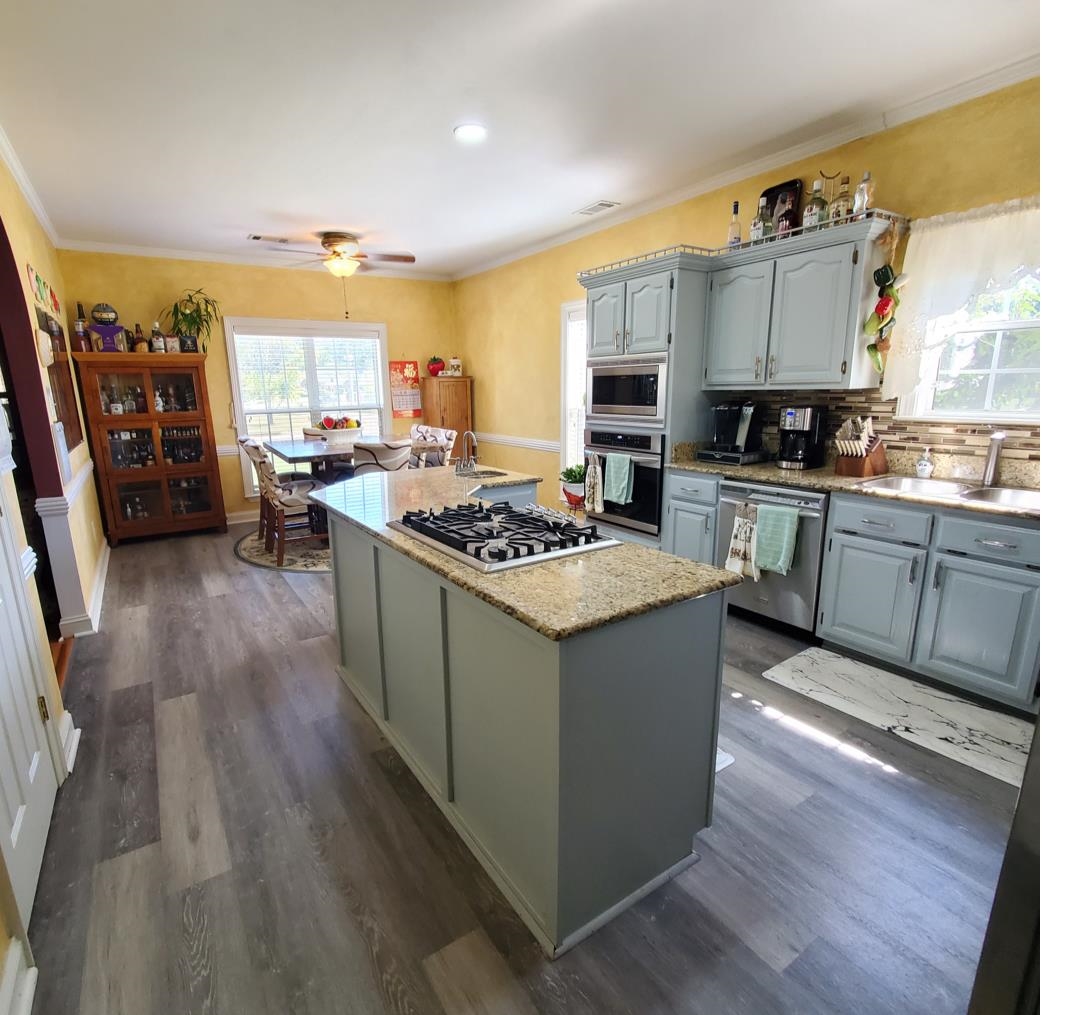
x,y
816,211
841,208
864,194
924,467
755,229
733,233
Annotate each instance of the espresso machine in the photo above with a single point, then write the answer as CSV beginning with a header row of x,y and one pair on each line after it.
x,y
801,437
736,434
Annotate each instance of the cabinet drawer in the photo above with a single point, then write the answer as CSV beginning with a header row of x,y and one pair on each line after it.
x,y
978,538
688,486
873,517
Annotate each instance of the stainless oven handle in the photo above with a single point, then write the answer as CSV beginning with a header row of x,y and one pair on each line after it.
x,y
650,460
803,513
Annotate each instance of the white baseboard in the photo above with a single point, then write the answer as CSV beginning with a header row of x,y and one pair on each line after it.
x,y
238,517
96,600
18,982
69,738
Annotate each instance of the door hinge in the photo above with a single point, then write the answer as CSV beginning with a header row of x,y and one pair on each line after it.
x,y
830,545
822,614
855,255
672,280
705,373
844,366
42,707
668,338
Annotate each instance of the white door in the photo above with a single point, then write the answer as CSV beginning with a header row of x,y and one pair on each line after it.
x,y
27,778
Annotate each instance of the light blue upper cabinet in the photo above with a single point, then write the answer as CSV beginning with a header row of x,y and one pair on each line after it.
x,y
978,627
739,318
647,321
604,312
810,316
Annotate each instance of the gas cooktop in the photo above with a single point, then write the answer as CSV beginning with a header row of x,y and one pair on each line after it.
x,y
493,537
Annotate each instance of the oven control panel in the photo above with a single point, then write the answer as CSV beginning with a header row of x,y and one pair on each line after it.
x,y
625,441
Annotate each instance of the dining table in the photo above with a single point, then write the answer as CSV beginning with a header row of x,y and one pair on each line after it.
x,y
321,454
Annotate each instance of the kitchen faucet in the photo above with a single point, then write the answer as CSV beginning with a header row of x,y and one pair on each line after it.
x,y
992,458
467,462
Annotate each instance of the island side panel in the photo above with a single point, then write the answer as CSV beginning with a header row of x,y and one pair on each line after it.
x,y
638,717
413,661
504,703
356,607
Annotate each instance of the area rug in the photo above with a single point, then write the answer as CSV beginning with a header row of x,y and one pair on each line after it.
x,y
982,738
305,558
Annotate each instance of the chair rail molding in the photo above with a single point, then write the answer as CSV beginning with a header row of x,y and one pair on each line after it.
x,y
533,443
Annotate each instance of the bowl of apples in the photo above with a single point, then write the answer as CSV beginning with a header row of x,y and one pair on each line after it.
x,y
334,430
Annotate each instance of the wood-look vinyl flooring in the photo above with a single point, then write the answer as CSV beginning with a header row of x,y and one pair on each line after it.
x,y
238,837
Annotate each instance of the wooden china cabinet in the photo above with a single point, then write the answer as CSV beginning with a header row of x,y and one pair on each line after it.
x,y
448,402
153,443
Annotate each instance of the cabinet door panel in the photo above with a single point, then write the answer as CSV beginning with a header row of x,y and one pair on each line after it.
x,y
979,627
648,313
689,531
870,595
809,316
604,307
739,316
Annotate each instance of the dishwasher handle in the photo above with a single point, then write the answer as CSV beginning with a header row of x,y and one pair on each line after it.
x,y
803,513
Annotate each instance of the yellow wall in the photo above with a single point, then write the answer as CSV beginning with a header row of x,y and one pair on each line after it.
x,y
977,153
417,315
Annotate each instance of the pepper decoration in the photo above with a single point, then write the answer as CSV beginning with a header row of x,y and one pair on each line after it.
x,y
881,321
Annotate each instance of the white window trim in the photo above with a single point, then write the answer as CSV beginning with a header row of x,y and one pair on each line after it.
x,y
297,329
565,311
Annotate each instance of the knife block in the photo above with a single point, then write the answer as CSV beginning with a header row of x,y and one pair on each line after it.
x,y
873,463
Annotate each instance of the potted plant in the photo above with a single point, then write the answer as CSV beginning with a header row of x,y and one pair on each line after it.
x,y
574,484
193,314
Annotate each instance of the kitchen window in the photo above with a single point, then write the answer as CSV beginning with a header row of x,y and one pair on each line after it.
x,y
572,373
967,345
289,374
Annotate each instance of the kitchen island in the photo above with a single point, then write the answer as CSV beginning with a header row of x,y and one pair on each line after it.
x,y
563,715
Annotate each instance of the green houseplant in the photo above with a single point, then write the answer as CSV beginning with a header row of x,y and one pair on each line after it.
x,y
574,484
193,313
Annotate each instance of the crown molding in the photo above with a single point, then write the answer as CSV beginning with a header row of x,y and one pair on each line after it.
x,y
249,260
18,171
1021,70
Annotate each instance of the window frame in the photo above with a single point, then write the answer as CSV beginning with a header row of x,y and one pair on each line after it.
x,y
567,313
301,328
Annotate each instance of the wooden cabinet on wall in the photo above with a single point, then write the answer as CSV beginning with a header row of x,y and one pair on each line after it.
x,y
152,442
448,402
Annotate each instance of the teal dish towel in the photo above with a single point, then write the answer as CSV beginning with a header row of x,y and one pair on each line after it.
x,y
618,478
776,531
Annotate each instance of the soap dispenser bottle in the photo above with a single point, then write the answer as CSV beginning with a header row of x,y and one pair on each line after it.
x,y
924,467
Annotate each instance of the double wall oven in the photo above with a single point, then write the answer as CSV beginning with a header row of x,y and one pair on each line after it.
x,y
645,451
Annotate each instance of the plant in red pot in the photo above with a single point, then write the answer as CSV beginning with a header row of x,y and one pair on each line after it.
x,y
434,365
574,485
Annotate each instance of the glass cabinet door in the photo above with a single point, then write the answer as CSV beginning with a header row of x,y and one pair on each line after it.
x,y
175,391
133,448
182,444
122,393
189,495
141,501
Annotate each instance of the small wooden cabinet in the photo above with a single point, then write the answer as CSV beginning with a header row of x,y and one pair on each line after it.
x,y
448,402
152,442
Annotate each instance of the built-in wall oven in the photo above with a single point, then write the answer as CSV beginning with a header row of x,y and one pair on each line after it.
x,y
789,598
645,451
627,390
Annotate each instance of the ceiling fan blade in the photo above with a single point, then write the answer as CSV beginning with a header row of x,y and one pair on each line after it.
x,y
303,264
368,255
295,250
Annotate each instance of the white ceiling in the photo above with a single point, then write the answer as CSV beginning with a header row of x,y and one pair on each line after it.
x,y
185,126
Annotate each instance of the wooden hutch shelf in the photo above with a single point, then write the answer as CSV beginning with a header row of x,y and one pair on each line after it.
x,y
152,442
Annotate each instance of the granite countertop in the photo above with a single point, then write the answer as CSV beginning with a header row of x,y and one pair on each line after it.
x,y
557,598
825,480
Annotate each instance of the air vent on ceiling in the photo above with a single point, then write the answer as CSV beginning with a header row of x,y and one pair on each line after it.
x,y
263,238
597,207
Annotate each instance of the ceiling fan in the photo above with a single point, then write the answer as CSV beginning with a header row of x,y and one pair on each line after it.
x,y
343,255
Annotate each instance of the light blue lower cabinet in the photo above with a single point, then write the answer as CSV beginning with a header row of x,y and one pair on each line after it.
x,y
979,627
870,595
690,531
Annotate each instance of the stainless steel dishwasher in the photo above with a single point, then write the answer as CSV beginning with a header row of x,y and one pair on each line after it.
x,y
790,598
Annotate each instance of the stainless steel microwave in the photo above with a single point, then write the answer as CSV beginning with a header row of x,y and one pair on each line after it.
x,y
627,389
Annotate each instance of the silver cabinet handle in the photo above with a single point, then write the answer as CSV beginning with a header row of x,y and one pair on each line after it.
x,y
626,338
616,338
911,573
759,360
937,575
878,524
707,523
688,489
997,544
773,366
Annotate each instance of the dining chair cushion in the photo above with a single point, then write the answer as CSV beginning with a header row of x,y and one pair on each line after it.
x,y
386,456
423,457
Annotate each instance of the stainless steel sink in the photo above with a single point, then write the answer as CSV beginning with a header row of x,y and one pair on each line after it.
x,y
480,474
911,484
1028,500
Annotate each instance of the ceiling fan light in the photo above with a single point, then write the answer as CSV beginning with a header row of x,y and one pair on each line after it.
x,y
340,266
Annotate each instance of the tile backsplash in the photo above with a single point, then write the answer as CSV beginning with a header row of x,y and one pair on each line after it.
x,y
958,448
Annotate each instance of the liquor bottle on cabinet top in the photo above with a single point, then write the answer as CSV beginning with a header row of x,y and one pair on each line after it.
x,y
787,221
158,345
756,229
733,233
864,194
816,212
841,207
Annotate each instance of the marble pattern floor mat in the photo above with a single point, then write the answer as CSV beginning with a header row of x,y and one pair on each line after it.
x,y
982,738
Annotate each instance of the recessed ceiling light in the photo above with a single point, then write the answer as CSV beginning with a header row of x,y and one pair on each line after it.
x,y
470,133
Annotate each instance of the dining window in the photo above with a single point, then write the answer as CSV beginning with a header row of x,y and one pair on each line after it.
x,y
288,375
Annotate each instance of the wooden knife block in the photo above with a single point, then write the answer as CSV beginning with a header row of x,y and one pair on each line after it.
x,y
871,464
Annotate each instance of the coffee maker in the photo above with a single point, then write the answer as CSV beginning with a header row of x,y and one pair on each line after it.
x,y
736,434
801,437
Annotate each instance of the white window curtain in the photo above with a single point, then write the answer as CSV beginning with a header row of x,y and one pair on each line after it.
x,y
951,259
